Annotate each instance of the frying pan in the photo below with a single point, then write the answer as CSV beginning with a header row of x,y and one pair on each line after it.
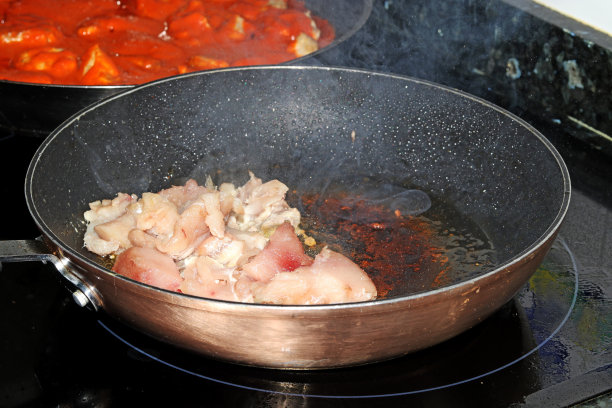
x,y
308,127
36,109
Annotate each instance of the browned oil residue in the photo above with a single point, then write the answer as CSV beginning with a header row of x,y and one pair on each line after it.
x,y
396,251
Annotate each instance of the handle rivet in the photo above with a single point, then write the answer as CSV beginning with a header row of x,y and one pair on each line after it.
x,y
80,298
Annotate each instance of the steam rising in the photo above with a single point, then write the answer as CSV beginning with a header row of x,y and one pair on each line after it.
x,y
406,201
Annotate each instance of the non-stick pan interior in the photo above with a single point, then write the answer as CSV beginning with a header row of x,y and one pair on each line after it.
x,y
308,127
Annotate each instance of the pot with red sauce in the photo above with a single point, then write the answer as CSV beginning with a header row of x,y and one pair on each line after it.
x,y
59,56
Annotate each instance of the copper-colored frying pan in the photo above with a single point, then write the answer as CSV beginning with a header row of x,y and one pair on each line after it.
x,y
310,128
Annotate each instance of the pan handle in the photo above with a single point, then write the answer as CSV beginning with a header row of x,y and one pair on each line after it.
x,y
37,250
25,250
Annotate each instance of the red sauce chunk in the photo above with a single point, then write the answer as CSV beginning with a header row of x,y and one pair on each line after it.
x,y
127,42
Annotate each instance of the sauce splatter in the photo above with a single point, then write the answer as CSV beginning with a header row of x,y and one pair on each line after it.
x,y
401,253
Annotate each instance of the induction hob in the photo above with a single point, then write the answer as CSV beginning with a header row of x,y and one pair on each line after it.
x,y
549,346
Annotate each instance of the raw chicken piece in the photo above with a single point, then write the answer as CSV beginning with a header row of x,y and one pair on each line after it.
x,y
149,266
185,197
332,278
181,196
179,218
156,215
117,230
178,239
259,206
205,277
227,193
280,214
214,217
254,242
140,238
227,251
102,212
283,253
189,231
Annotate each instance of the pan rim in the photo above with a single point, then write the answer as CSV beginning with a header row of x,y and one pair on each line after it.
x,y
546,235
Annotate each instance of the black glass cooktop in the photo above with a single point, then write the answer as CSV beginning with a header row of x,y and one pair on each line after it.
x,y
550,346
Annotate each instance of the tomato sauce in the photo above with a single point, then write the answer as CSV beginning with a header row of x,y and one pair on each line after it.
x,y
127,42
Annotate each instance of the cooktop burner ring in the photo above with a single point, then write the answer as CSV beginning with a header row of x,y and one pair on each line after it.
x,y
573,268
